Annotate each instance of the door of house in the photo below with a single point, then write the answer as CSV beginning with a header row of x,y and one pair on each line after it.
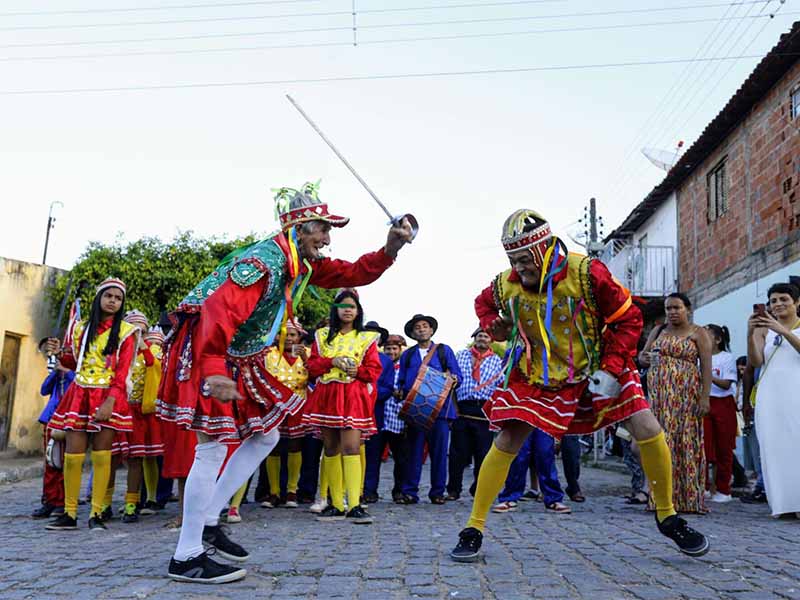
x,y
9,363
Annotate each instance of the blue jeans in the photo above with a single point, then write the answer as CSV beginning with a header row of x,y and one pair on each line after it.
x,y
540,449
438,438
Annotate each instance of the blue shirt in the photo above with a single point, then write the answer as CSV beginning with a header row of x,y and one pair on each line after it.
x,y
411,361
385,388
491,367
55,384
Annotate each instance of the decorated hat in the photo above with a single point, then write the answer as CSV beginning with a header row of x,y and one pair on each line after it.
x,y
526,229
295,324
136,317
110,282
293,207
154,335
409,327
394,339
373,326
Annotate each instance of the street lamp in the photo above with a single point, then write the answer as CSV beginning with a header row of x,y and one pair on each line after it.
x,y
50,224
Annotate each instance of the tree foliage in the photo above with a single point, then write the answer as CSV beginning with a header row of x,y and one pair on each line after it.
x,y
159,274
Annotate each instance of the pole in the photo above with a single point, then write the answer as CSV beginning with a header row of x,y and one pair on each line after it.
x,y
592,220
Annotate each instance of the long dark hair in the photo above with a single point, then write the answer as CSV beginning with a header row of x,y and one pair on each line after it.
x,y
94,320
336,322
724,335
740,362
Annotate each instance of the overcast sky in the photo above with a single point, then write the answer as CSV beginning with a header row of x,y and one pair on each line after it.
x,y
459,151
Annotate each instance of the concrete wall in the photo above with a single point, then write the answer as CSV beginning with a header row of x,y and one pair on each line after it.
x,y
661,228
24,312
735,308
760,232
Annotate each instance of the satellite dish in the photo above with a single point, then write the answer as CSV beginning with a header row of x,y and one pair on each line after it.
x,y
663,159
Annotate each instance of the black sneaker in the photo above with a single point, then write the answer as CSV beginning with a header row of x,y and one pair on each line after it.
x,y
62,523
131,514
758,497
96,523
107,514
214,535
202,569
331,513
689,541
43,512
359,516
468,547
57,512
149,508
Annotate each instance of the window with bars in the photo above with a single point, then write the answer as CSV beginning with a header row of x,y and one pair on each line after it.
x,y
717,185
795,103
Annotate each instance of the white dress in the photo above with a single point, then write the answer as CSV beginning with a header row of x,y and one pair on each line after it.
x,y
778,424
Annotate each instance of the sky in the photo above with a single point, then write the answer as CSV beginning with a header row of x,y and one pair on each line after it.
x,y
148,119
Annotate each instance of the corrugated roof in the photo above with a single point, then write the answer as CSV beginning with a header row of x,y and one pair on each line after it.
x,y
767,73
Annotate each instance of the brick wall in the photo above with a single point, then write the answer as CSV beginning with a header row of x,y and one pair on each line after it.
x,y
761,229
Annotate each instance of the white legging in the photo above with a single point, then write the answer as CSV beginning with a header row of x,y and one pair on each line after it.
x,y
204,495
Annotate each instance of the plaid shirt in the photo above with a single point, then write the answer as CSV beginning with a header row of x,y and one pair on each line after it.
x,y
391,419
490,367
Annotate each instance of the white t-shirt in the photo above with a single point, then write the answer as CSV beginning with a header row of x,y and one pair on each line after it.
x,y
723,366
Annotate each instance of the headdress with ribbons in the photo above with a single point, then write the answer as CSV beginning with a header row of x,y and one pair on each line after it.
x,y
110,282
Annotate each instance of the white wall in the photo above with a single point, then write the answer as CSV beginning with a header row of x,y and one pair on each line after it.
x,y
662,227
734,309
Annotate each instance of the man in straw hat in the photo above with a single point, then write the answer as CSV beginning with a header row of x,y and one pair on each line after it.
x,y
572,332
226,325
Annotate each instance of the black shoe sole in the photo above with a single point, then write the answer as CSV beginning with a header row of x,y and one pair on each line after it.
x,y
363,521
225,555
469,558
229,578
699,552
51,528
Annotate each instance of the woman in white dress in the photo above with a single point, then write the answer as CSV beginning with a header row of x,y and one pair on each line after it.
x,y
773,344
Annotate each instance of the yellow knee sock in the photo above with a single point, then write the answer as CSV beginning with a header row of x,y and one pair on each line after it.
x,y
274,474
236,501
324,483
73,468
491,479
101,465
295,460
353,479
657,466
150,469
334,468
362,454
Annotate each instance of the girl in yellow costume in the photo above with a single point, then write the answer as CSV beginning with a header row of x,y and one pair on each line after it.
x,y
289,368
101,354
345,359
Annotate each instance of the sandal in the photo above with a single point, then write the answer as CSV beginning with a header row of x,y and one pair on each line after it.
x,y
635,499
558,508
579,497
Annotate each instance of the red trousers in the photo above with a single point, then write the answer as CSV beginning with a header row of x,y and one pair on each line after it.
x,y
719,431
53,481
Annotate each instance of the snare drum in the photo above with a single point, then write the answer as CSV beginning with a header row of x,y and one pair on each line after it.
x,y
426,398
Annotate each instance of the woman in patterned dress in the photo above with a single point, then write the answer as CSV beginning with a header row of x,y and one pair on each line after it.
x,y
679,381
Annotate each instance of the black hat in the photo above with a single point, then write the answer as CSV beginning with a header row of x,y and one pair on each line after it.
x,y
479,330
373,326
409,328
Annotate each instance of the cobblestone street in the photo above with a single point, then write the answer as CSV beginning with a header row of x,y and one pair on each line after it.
x,y
605,549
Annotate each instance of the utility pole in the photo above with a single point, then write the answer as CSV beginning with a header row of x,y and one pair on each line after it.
x,y
51,222
593,229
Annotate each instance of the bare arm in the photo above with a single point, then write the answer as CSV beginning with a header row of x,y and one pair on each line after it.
x,y
756,337
644,355
703,342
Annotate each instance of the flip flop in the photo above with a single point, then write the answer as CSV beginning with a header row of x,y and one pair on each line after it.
x,y
577,497
558,508
634,500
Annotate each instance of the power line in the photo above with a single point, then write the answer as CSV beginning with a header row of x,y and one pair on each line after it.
x,y
374,77
609,27
368,11
235,4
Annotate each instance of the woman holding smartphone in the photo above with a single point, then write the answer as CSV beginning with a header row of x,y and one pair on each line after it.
x,y
679,381
773,345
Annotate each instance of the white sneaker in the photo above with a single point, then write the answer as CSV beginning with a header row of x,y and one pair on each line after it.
x,y
707,494
318,506
721,498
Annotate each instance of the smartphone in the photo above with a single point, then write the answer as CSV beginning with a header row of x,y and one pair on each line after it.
x,y
760,309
